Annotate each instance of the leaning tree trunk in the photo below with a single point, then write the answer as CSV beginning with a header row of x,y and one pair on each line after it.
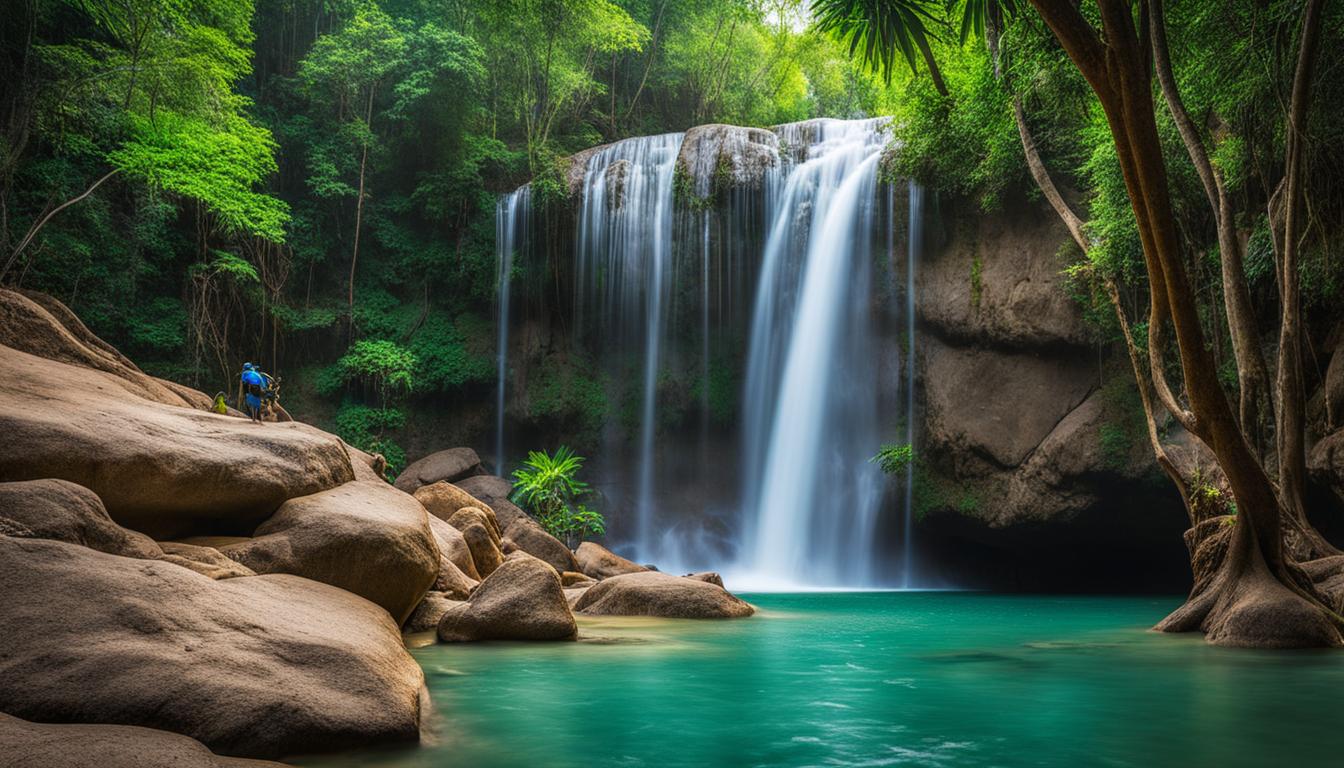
x,y
1253,600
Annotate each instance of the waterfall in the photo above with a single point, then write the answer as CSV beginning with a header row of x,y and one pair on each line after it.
x,y
511,219
768,284
622,260
812,387
913,252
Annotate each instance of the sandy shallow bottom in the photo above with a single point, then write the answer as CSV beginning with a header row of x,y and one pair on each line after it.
x,y
878,679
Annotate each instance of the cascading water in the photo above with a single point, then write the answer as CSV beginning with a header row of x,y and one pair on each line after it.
x,y
624,251
913,252
683,285
511,219
812,387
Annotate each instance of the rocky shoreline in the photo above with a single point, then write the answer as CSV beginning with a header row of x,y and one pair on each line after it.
x,y
186,588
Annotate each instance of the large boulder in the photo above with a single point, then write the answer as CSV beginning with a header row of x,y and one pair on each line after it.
x,y
425,617
521,600
42,326
63,511
528,535
1326,462
444,466
484,546
659,594
487,488
442,500
258,666
600,563
485,517
41,745
452,582
166,471
206,561
364,537
716,157
453,546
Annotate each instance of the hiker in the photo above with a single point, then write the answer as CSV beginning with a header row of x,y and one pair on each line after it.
x,y
255,388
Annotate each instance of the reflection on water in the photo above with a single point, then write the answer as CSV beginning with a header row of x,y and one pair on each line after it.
x,y
877,679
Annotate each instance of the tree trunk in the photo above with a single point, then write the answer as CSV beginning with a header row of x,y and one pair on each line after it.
x,y
1253,600
1290,436
1252,375
359,215
42,222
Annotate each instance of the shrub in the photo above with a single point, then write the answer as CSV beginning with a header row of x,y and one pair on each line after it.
x,y
548,487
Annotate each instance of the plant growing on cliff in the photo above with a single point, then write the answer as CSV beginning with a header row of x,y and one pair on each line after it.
x,y
893,458
548,487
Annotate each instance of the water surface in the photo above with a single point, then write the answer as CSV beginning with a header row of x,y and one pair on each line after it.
x,y
878,679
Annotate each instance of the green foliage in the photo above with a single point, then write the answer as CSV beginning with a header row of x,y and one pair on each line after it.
x,y
567,394
385,365
548,487
893,458
365,428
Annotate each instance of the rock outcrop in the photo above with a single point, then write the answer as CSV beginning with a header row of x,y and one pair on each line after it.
x,y
521,600
367,538
41,745
258,666
659,594
164,470
599,562
63,511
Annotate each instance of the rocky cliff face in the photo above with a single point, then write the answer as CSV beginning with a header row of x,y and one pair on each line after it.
x,y
1035,467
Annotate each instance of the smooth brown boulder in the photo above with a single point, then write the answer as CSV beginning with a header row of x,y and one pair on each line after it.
x,y
259,666
484,552
364,537
42,745
452,581
482,515
600,563
507,513
444,499
206,561
453,546
166,471
425,617
63,511
521,600
44,327
527,535
709,577
575,579
447,466
487,488
660,594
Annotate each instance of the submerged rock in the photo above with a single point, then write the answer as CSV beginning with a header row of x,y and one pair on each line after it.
x,y
443,466
599,562
367,538
258,666
659,594
521,600
40,745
